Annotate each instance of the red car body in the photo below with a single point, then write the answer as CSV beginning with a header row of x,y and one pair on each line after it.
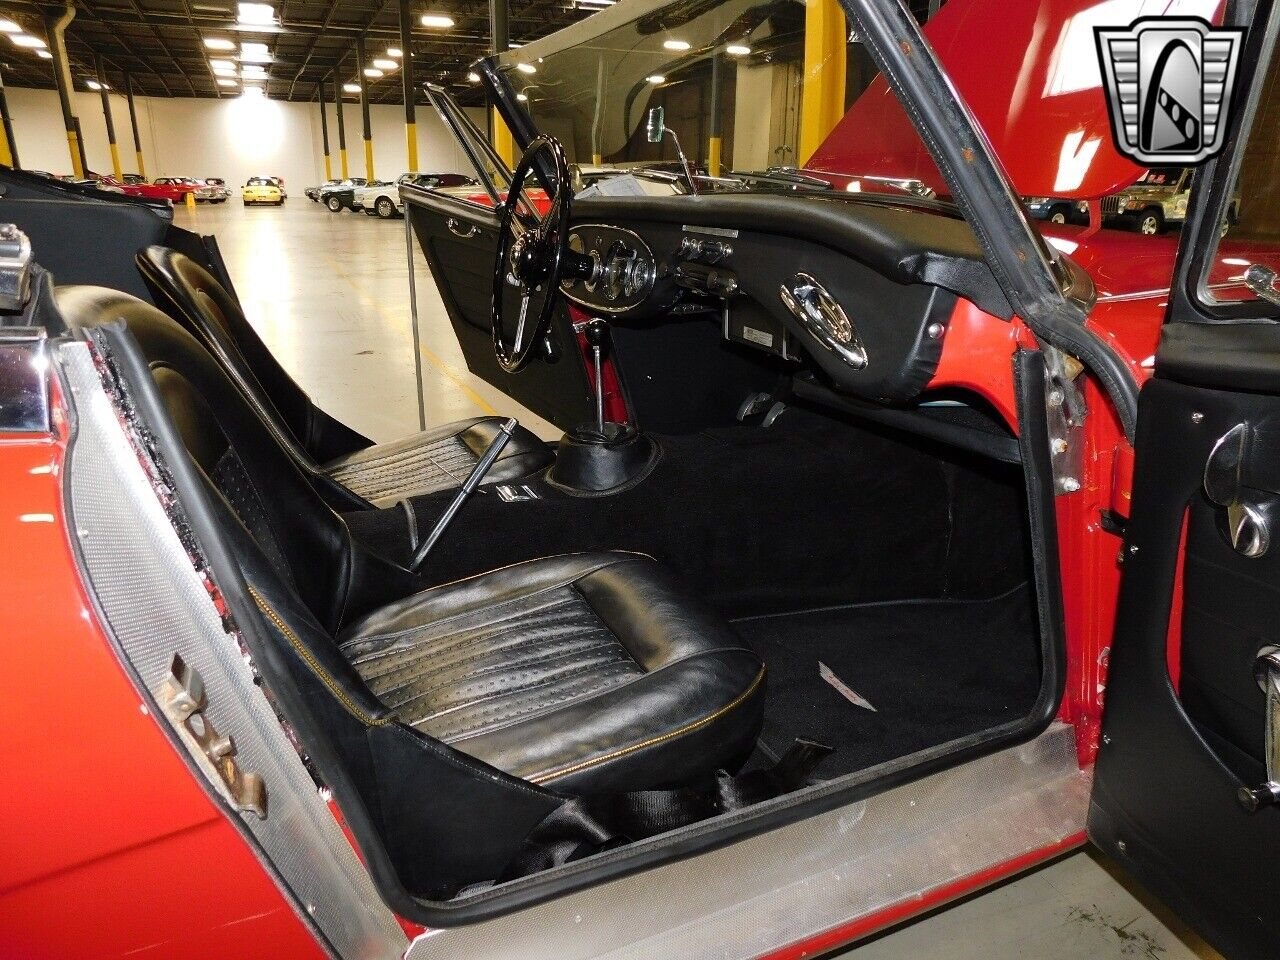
x,y
108,810
173,192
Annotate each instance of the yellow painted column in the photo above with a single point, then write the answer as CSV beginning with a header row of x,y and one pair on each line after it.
x,y
116,168
6,158
368,159
411,143
73,144
142,166
822,98
503,142
328,167
713,155
342,162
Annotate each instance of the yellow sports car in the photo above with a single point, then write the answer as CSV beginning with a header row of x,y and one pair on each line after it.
x,y
262,190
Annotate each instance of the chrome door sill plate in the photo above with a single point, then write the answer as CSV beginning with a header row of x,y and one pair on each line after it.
x,y
756,896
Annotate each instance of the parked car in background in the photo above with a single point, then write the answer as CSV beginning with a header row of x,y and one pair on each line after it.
x,y
279,182
1157,200
339,196
133,178
382,198
209,191
313,193
262,190
1055,210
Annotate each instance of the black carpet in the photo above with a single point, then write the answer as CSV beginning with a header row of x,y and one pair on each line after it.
x,y
811,512
935,670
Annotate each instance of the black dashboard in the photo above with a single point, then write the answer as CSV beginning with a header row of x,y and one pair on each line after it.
x,y
863,288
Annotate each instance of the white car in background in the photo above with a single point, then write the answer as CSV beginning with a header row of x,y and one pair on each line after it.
x,y
382,199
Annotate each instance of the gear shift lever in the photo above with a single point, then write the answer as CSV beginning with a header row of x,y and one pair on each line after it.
x,y
597,335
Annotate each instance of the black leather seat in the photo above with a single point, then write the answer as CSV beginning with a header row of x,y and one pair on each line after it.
x,y
339,460
593,673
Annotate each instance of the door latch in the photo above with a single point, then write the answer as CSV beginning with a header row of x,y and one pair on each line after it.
x,y
1266,670
1248,523
182,697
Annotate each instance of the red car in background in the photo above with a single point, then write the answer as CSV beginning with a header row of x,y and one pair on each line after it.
x,y
164,188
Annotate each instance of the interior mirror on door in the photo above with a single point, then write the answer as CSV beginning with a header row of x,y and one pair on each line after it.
x,y
656,125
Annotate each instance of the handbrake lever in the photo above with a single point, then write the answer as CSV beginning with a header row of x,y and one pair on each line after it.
x,y
487,459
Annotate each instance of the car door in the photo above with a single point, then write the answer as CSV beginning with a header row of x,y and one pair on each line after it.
x,y
457,230
1185,792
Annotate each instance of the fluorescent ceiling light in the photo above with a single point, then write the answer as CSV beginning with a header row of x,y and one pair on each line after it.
x,y
253,92
395,52
219,43
372,72
386,64
254,53
226,82
93,85
8,26
473,77
737,49
256,14
27,41
675,44
655,78
593,5
351,87
222,65
526,68
44,54
521,97
438,20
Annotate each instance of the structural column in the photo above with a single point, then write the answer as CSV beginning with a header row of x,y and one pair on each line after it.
x,y
364,108
133,123
342,127
500,32
106,114
714,138
9,148
822,97
55,27
324,134
406,77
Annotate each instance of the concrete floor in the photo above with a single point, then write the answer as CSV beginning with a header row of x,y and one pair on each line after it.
x,y
329,293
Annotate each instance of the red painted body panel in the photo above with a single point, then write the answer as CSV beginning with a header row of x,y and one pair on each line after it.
x,y
1043,111
112,848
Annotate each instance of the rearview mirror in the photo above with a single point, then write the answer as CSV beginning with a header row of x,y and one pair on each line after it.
x,y
656,125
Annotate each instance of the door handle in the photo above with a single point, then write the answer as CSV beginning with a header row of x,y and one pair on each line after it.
x,y
1266,670
1248,522
464,230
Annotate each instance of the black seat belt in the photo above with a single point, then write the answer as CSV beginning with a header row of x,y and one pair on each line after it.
x,y
583,826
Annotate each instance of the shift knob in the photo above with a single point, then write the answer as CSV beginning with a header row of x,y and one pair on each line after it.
x,y
597,332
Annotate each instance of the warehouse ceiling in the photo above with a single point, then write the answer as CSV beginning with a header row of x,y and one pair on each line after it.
x,y
162,45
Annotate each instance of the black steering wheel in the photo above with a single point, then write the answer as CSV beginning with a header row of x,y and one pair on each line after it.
x,y
533,256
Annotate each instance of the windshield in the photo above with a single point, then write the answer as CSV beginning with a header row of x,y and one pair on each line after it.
x,y
746,88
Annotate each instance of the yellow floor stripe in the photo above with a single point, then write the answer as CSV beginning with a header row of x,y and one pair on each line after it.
x,y
432,358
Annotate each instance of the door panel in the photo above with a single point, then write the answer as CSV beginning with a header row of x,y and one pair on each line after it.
x,y
1165,799
460,240
1182,766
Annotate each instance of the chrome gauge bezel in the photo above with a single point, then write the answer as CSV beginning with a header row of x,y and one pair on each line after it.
x,y
635,285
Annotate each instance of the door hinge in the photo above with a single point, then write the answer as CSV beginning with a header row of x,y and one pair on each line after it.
x,y
1064,416
182,697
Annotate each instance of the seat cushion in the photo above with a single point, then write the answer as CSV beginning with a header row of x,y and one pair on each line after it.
x,y
589,672
438,459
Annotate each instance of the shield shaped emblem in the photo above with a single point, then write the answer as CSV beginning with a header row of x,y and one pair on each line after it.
x,y
1169,82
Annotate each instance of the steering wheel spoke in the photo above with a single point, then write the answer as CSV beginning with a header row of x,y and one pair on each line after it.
x,y
532,252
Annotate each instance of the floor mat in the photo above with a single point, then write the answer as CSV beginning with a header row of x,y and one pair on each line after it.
x,y
934,670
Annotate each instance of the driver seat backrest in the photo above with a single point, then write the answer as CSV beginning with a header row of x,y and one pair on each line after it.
x,y
348,470
202,305
304,540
